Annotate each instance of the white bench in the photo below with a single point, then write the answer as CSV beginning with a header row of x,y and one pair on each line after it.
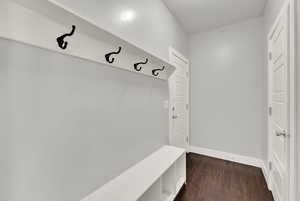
x,y
159,177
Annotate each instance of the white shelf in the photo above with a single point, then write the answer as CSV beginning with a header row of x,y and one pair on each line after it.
x,y
181,169
179,184
142,181
167,197
153,193
169,180
40,22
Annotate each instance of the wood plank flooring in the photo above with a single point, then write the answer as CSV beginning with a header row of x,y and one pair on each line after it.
x,y
210,179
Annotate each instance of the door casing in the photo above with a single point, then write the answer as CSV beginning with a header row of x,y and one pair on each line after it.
x,y
289,7
174,53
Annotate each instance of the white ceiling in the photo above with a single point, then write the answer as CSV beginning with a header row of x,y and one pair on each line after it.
x,y
203,15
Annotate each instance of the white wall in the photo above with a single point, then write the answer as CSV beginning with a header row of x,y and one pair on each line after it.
x,y
153,28
68,125
5,134
228,89
74,124
298,100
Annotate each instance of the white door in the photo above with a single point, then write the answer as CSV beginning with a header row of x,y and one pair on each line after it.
x,y
179,101
279,107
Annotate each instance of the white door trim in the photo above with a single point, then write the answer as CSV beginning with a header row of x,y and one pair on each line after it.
x,y
174,52
290,6
292,179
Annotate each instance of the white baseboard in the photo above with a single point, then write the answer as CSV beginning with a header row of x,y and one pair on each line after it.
x,y
266,174
228,156
252,161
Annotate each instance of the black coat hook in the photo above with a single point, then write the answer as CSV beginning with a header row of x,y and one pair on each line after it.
x,y
155,71
111,60
60,40
136,65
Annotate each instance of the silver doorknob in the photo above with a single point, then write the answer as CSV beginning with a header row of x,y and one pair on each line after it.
x,y
174,117
283,133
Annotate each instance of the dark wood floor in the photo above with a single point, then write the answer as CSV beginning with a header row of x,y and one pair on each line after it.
x,y
210,179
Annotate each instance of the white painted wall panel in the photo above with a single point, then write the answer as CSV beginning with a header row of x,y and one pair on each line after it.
x,y
228,96
71,125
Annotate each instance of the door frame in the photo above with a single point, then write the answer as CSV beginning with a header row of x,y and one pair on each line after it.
x,y
289,6
175,53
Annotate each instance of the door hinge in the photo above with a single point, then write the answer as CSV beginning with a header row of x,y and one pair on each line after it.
x,y
187,139
270,111
270,56
270,165
187,74
187,106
